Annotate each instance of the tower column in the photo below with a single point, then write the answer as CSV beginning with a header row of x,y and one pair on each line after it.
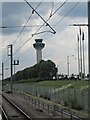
x,y
38,46
39,55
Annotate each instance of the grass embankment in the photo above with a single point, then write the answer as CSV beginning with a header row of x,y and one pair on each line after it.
x,y
58,83
55,84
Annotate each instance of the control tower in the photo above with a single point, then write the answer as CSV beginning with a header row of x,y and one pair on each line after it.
x,y
38,46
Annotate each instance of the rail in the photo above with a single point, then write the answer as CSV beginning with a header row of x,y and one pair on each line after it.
x,y
16,107
4,115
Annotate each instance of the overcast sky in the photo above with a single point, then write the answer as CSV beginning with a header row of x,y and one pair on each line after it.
x,y
57,46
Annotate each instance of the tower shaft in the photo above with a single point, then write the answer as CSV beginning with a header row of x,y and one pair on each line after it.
x,y
38,46
38,55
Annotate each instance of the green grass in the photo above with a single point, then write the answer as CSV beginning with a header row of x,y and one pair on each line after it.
x,y
59,83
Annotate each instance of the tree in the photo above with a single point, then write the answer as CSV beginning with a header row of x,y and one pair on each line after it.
x,y
42,70
18,75
47,69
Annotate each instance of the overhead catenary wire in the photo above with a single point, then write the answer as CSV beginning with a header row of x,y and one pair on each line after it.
x,y
41,32
55,24
61,18
21,30
38,29
37,25
26,23
59,7
52,9
41,17
51,16
20,26
66,15
6,27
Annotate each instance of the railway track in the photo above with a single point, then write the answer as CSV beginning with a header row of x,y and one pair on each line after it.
x,y
10,111
49,108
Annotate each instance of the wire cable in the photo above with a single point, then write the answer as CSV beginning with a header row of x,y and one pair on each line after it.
x,y
26,23
51,16
41,17
52,9
39,28
20,26
59,8
65,15
6,27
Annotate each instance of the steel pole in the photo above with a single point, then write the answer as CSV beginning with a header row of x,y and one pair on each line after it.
x,y
2,71
83,56
11,67
78,55
2,75
68,65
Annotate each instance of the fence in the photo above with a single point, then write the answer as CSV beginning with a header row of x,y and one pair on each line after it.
x,y
74,98
52,109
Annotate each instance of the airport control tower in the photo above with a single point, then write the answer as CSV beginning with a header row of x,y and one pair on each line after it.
x,y
38,46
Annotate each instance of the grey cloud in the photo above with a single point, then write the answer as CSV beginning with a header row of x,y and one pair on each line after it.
x,y
14,13
79,11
